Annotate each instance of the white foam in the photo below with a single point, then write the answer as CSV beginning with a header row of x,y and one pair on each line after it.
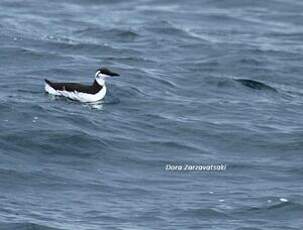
x,y
283,200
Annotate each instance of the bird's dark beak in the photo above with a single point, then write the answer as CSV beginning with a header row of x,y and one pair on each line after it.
x,y
112,74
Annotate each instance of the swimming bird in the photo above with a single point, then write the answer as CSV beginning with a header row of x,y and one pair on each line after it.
x,y
79,92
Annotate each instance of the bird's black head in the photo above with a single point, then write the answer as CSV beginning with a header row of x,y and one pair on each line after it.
x,y
104,72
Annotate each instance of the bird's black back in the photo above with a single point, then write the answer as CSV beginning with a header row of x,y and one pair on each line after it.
x,y
71,87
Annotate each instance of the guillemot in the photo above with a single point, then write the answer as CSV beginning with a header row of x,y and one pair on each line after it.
x,y
79,92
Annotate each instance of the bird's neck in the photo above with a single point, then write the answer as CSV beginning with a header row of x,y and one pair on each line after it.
x,y
100,82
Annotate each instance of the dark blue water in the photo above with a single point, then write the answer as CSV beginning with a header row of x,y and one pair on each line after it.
x,y
202,82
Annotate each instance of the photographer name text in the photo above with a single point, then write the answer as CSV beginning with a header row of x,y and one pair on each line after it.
x,y
195,167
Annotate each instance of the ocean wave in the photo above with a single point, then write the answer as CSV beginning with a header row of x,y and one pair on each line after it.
x,y
25,226
228,82
274,209
203,213
115,34
73,142
255,84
